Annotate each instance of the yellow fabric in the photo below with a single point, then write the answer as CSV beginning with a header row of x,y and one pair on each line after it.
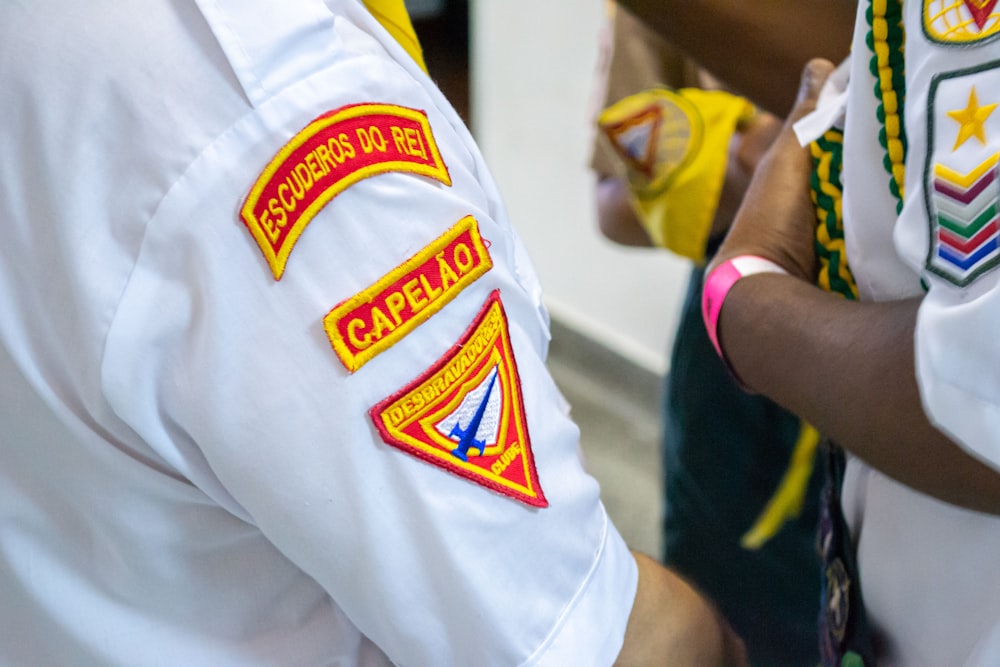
x,y
395,19
787,500
675,148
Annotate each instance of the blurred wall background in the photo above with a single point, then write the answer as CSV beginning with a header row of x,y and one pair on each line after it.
x,y
532,100
522,73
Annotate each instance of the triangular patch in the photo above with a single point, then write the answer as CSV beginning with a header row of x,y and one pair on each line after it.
x,y
635,137
655,132
466,415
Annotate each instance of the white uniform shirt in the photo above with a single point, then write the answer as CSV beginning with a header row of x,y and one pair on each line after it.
x,y
194,468
929,571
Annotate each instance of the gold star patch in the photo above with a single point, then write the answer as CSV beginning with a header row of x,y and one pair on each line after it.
x,y
971,120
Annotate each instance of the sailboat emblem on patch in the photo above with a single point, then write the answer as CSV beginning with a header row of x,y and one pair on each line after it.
x,y
465,414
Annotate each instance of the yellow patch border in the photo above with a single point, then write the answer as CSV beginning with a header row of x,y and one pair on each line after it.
x,y
496,352
353,361
278,261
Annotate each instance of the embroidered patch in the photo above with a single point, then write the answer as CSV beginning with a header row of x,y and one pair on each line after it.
x,y
655,133
330,154
961,22
961,181
635,139
465,414
374,320
838,585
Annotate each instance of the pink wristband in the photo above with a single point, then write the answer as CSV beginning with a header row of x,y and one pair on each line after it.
x,y
717,286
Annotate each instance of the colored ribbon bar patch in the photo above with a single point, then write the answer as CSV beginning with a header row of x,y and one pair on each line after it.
x,y
333,152
373,320
466,415
962,181
965,207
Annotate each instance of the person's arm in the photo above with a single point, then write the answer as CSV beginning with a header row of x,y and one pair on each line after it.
x,y
758,48
847,367
671,623
615,216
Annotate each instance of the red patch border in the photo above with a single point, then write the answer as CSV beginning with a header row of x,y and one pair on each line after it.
x,y
535,497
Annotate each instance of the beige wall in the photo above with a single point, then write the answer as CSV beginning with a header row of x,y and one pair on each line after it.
x,y
533,64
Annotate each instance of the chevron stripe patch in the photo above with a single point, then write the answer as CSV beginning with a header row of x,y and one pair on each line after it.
x,y
962,179
966,206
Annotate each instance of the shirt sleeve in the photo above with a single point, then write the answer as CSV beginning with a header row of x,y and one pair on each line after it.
x,y
332,332
947,229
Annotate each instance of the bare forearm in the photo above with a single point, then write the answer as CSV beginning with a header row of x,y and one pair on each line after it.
x,y
672,624
758,47
848,368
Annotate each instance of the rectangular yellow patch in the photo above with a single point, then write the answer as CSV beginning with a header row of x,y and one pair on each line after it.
x,y
375,319
330,154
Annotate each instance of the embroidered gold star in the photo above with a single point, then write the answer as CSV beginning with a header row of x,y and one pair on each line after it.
x,y
971,120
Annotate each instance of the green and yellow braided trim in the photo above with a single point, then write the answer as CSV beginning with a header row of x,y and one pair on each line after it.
x,y
886,40
827,195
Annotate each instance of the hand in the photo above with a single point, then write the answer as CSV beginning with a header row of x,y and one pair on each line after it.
x,y
777,219
746,149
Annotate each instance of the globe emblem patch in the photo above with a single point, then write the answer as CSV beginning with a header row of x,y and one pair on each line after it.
x,y
961,21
